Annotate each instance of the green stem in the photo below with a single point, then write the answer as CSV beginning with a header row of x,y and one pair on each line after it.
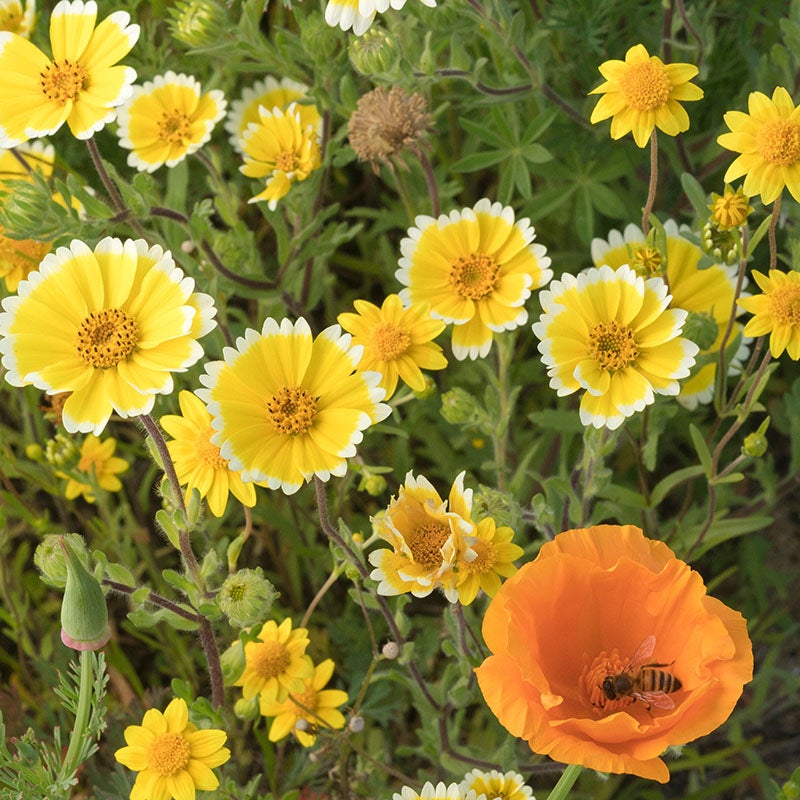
x,y
651,189
70,766
565,782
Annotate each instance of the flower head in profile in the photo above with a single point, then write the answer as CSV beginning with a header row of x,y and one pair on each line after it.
x,y
173,757
167,119
612,334
15,19
304,713
768,142
198,462
397,341
288,406
101,466
120,319
281,149
440,791
475,268
707,294
269,93
495,785
776,311
81,85
427,538
574,617
359,14
276,663
643,93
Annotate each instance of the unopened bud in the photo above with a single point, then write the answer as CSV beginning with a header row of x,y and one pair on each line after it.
x,y
373,52
34,452
51,561
374,484
390,650
702,329
755,444
246,597
233,663
84,614
427,390
460,407
247,709
197,22
356,724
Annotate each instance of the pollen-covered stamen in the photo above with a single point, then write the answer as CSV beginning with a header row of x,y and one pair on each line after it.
x,y
269,659
474,276
306,701
426,542
647,261
168,754
107,337
485,558
778,142
612,346
590,689
646,86
207,453
784,304
389,341
174,127
291,410
287,161
63,80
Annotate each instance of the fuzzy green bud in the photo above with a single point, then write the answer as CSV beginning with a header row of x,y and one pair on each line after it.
x,y
428,390
373,484
504,510
702,329
34,452
459,407
232,662
755,444
51,561
722,244
246,597
373,52
62,452
84,614
197,22
29,211
247,709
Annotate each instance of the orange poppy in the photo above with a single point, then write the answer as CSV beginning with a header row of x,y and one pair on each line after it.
x,y
567,624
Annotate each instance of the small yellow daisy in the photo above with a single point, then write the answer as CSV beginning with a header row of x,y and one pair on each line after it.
x,y
495,785
98,460
776,311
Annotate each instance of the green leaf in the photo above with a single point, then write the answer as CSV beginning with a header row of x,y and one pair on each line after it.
x,y
694,191
476,161
666,485
725,529
536,153
702,449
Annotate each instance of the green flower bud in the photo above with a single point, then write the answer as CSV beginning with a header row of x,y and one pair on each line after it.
x,y
373,484
488,502
84,614
373,52
62,452
197,22
459,407
246,597
702,329
247,709
755,444
722,244
28,210
232,662
430,388
50,560
34,452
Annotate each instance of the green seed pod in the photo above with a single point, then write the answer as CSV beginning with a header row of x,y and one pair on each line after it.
x,y
84,614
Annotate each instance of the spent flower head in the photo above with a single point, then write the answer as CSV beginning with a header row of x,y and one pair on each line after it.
x,y
246,597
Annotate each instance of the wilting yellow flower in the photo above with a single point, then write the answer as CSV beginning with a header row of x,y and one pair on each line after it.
x,y
776,311
359,14
281,149
97,460
269,93
288,406
768,140
428,537
316,706
276,663
476,268
642,93
173,758
396,341
80,86
707,294
496,785
198,462
14,20
167,119
109,325
612,334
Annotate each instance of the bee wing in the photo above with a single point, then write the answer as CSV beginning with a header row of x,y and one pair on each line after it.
x,y
642,653
657,699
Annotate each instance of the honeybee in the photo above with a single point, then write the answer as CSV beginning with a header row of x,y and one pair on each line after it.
x,y
643,681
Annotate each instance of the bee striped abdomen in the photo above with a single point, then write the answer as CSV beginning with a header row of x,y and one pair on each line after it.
x,y
657,680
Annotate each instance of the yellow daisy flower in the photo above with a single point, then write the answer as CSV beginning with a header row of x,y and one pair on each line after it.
x,y
431,792
281,149
396,341
276,663
428,537
706,293
612,334
476,268
494,554
768,140
173,758
96,459
109,325
269,93
167,119
80,86
776,311
495,785
304,713
198,462
359,14
642,93
288,406
16,20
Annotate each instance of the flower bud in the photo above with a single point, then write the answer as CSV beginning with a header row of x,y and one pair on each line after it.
x,y
356,724
730,209
84,614
459,407
755,444
233,663
247,709
373,52
374,484
51,561
723,244
34,452
390,650
197,23
246,597
427,390
702,329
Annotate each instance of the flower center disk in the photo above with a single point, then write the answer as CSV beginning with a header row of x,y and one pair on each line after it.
x,y
474,276
426,542
207,452
592,678
63,80
646,86
107,337
287,161
778,142
784,304
173,127
291,410
169,753
389,341
270,659
612,346
647,261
